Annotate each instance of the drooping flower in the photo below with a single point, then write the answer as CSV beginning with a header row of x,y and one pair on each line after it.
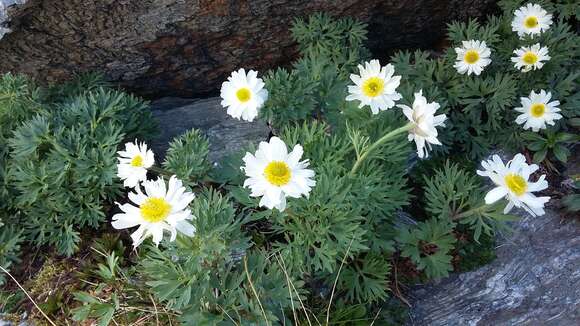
x,y
133,163
512,182
243,95
375,86
528,58
531,19
422,116
537,111
275,174
472,57
156,210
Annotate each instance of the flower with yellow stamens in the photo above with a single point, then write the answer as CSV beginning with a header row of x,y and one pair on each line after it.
x,y
275,174
157,210
512,182
243,95
537,111
133,163
531,19
472,57
528,58
375,86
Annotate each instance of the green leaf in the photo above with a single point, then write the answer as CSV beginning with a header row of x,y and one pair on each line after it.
x,y
537,146
540,156
561,153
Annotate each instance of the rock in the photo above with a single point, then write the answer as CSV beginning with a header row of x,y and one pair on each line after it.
x,y
4,15
188,47
226,134
535,280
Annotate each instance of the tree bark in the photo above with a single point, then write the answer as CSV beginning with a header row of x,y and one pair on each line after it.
x,y
188,47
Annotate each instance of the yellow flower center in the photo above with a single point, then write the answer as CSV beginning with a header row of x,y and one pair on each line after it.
x,y
373,86
471,57
530,58
137,161
244,94
531,22
155,209
278,173
516,183
537,110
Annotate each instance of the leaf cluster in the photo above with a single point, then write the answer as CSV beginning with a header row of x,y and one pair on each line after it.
x,y
58,158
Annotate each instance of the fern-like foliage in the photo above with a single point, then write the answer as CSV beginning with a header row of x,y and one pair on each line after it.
x,y
61,164
428,245
187,157
211,277
455,195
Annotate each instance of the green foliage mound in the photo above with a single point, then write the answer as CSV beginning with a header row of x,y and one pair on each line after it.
x,y
58,159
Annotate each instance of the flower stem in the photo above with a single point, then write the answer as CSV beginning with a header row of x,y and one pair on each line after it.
x,y
468,212
377,144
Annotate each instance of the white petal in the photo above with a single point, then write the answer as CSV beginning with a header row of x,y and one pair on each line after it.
x,y
495,195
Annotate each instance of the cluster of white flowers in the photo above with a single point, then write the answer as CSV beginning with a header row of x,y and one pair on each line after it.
x,y
474,56
512,179
274,174
531,19
376,87
537,110
160,207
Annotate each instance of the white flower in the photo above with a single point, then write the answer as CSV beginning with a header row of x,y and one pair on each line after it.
x,y
424,121
243,95
531,19
512,182
157,209
537,111
375,86
473,57
275,174
133,163
528,58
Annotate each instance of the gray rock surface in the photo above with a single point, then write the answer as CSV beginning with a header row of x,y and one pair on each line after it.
x,y
226,134
534,281
4,15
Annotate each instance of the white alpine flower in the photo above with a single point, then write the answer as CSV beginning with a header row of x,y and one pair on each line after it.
x,y
156,210
528,58
537,111
375,86
243,95
275,174
133,163
512,182
472,57
531,19
422,116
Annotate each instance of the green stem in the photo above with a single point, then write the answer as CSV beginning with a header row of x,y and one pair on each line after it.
x,y
377,144
468,212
